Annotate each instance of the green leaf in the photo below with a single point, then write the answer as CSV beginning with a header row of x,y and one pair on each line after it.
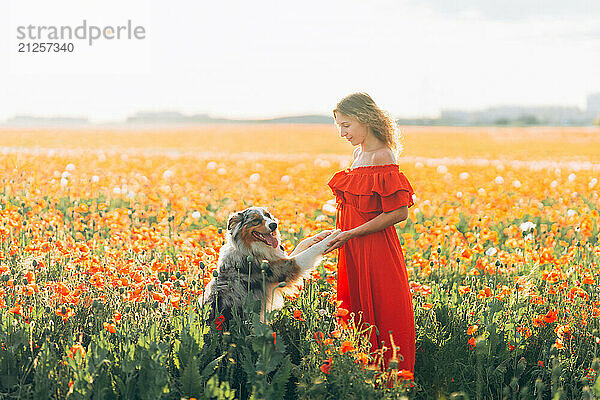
x,y
211,366
191,381
281,377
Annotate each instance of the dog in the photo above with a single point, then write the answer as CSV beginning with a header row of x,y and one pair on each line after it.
x,y
252,238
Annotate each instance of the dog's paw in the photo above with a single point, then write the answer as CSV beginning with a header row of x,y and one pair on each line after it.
x,y
311,256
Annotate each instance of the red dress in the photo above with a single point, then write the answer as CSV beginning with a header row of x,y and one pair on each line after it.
x,y
372,275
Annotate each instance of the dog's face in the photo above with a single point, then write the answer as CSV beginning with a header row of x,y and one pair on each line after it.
x,y
253,227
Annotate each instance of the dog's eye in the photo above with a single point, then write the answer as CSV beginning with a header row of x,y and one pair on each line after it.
x,y
256,222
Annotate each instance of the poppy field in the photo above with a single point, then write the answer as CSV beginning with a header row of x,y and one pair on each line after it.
x,y
108,237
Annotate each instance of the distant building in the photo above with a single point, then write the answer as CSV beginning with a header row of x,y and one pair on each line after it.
x,y
593,105
519,115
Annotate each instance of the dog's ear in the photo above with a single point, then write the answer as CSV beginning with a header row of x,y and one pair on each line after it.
x,y
233,220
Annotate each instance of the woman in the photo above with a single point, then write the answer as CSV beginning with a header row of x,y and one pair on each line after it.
x,y
372,196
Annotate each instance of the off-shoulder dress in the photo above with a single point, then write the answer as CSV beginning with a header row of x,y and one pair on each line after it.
x,y
371,274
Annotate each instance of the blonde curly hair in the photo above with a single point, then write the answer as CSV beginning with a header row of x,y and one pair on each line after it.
x,y
362,107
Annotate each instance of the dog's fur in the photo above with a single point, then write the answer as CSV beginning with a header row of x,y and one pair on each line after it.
x,y
253,232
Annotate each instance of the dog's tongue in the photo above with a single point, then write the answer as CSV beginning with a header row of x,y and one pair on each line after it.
x,y
272,240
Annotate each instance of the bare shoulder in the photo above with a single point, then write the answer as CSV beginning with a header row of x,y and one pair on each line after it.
x,y
384,156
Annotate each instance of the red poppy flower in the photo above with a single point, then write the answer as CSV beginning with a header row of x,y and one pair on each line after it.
x,y
219,322
471,342
326,365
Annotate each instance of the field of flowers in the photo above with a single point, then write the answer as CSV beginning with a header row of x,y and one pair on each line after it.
x,y
107,238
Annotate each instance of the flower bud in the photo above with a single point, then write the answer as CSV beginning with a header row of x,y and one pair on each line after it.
x,y
557,370
539,385
514,384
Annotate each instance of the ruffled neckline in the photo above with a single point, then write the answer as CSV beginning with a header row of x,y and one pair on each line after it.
x,y
383,179
366,169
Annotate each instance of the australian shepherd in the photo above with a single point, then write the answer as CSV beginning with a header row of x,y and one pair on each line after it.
x,y
252,238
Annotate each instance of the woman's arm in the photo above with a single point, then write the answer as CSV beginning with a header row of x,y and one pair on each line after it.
x,y
377,224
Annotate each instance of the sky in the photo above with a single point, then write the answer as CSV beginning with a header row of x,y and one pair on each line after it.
x,y
263,59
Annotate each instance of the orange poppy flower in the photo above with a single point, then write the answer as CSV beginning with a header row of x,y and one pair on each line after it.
x,y
16,310
109,327
550,316
587,279
341,312
298,315
486,292
336,334
30,276
65,313
76,348
464,289
346,346
158,296
362,359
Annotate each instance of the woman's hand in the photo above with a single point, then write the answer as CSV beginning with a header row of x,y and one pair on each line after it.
x,y
339,241
309,241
